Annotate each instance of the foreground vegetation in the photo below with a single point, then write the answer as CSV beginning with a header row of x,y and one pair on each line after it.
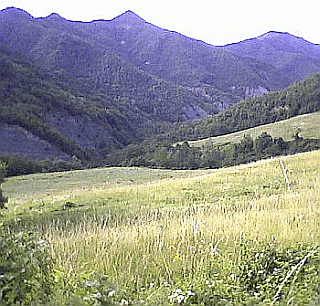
x,y
246,235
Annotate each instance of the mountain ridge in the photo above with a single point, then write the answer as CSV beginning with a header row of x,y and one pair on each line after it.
x,y
141,76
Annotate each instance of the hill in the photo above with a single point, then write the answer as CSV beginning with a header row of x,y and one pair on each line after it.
x,y
150,236
299,98
308,126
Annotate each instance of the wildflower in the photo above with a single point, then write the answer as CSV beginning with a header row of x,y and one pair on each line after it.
x,y
92,283
97,295
42,243
173,297
189,293
180,299
210,283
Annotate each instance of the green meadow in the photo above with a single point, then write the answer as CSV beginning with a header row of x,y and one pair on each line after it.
x,y
244,235
308,125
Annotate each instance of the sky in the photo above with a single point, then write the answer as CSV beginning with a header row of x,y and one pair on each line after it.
x,y
217,22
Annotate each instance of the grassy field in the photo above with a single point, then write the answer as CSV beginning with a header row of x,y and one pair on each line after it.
x,y
128,236
308,125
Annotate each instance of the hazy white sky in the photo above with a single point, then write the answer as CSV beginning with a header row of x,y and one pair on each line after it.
x,y
217,22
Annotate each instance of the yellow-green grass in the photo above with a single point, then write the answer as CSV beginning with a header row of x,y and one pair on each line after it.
x,y
308,125
161,234
58,186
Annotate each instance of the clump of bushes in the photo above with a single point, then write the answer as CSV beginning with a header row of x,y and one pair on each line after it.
x,y
25,266
25,269
262,273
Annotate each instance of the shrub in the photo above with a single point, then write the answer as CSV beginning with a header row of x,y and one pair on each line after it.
x,y
264,273
25,269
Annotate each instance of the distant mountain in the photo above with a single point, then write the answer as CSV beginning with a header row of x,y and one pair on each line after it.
x,y
293,57
85,88
252,67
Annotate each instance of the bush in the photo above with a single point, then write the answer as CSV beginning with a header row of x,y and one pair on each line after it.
x,y
264,274
25,269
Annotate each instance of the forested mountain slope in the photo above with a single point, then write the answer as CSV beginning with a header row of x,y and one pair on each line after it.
x,y
292,56
86,88
300,98
77,48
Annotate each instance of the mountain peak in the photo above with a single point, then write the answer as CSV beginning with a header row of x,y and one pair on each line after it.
x,y
129,17
273,34
55,17
13,11
284,38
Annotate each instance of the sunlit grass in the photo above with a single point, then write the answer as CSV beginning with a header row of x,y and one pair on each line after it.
x,y
167,230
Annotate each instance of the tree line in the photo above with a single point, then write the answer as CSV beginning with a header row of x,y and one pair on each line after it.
x,y
184,156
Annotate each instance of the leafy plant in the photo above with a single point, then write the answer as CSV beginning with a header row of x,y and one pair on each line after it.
x,y
25,269
264,272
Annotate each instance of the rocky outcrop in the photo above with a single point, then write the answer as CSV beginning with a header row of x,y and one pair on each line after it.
x,y
255,92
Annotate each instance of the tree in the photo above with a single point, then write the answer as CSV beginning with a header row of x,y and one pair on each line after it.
x,y
3,199
263,143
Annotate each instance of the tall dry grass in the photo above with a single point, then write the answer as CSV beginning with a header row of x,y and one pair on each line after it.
x,y
166,232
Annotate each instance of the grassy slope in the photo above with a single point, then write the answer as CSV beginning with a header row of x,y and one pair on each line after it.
x,y
308,124
150,232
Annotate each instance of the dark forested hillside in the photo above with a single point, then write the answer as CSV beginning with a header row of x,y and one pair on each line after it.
x,y
74,116
47,118
300,98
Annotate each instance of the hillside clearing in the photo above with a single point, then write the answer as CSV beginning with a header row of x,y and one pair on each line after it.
x,y
308,125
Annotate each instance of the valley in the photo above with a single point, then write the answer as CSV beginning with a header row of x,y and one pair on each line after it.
x,y
139,166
